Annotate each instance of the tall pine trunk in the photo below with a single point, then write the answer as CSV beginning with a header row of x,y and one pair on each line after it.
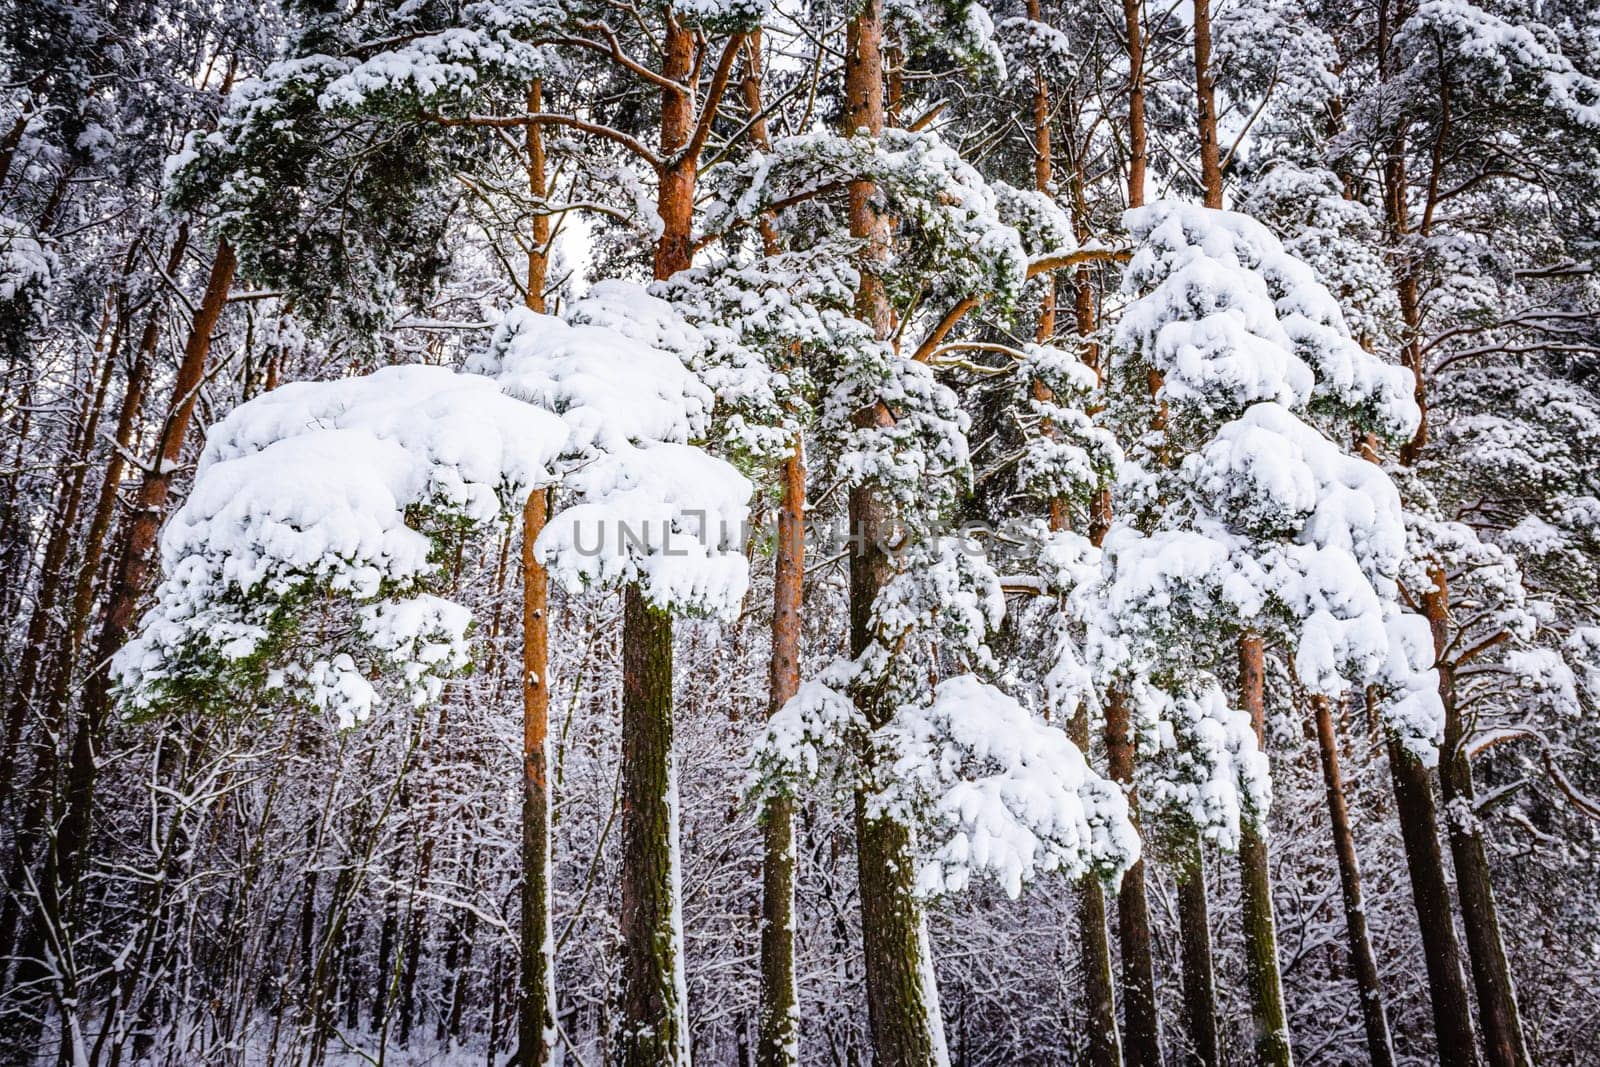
x,y
654,1025
1413,789
1099,995
82,603
62,524
1268,1016
778,1023
536,1015
777,1014
68,835
536,1026
134,571
1141,1024
1104,1045
1363,962
1199,973
1205,91
1498,1015
902,999
1497,999
1430,892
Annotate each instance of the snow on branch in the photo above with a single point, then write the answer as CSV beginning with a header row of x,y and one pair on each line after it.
x,y
651,507
303,556
984,785
306,558
1200,768
1231,319
998,792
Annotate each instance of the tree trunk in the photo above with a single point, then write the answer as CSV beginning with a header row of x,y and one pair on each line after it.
x,y
1269,1018
1447,983
13,138
82,604
539,239
1363,962
133,572
385,962
1498,1016
536,1018
777,1015
63,524
778,1038
536,1025
1497,1006
1138,153
902,998
1413,791
1141,1024
63,850
1205,88
28,933
1199,975
1100,1004
654,1024
1099,999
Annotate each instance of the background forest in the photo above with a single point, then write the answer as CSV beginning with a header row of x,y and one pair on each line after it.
x,y
760,531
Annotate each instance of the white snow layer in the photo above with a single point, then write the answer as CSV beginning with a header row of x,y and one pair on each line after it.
x,y
1011,796
335,493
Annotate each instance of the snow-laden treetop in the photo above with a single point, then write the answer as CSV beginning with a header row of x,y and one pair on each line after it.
x,y
310,554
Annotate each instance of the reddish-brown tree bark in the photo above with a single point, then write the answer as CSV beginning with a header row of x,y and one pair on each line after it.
x,y
1104,1044
778,1021
777,1012
82,603
536,1024
1205,90
134,570
1138,153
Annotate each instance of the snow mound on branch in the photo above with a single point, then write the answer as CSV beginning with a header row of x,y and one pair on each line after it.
x,y
438,67
806,735
304,558
651,507
315,478
26,263
982,784
1500,56
1245,517
1229,318
1009,795
468,437
612,389
327,499
1200,760
669,517
723,16
1069,456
